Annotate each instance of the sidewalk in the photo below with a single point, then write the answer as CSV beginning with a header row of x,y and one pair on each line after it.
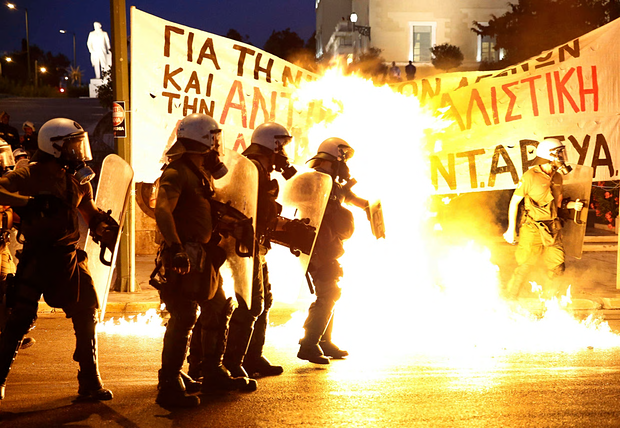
x,y
592,279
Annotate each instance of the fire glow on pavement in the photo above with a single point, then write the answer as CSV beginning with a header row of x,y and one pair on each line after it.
x,y
416,291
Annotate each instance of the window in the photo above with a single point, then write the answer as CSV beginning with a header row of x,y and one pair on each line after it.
x,y
423,38
486,49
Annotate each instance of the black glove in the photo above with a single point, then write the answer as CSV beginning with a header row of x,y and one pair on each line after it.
x,y
180,259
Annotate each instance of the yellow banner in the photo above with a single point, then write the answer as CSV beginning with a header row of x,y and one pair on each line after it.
x,y
178,70
570,92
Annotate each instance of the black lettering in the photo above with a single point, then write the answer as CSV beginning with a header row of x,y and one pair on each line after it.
x,y
171,97
243,51
495,169
574,51
601,143
582,149
471,160
169,77
207,51
449,175
167,30
526,161
266,70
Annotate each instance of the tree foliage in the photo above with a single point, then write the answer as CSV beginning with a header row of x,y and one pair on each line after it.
x,y
284,44
235,35
17,70
446,56
532,26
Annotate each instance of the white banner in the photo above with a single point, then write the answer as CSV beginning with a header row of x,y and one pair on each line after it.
x,y
178,70
570,93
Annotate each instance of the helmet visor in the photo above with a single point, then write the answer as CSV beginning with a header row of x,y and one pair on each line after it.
x,y
560,154
75,147
217,141
281,142
345,153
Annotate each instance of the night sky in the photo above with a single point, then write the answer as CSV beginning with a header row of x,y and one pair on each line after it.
x,y
46,17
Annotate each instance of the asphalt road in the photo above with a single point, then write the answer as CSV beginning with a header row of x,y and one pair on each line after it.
x,y
579,389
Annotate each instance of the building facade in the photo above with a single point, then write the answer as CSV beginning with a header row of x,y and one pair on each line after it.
x,y
405,30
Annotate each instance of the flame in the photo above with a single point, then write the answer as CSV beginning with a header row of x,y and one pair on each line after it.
x,y
421,289
148,324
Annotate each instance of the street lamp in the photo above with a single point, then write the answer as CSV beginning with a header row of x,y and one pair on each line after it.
x,y
12,6
364,31
64,32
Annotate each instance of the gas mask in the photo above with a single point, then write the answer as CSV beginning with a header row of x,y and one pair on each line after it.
x,y
342,172
212,163
559,162
82,172
281,165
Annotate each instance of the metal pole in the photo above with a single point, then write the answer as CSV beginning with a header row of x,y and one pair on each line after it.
x,y
120,81
73,50
28,45
36,74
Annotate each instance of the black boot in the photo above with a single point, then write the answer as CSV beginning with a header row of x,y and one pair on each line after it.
x,y
191,386
239,335
328,347
314,327
172,384
172,393
195,352
9,345
89,379
216,377
255,364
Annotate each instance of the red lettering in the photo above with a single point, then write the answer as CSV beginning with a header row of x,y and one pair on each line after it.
x,y
235,89
583,91
475,98
563,91
511,104
531,80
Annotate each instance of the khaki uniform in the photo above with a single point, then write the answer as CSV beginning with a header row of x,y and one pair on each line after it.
x,y
540,232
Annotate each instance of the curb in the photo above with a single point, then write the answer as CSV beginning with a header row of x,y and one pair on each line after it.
x,y
111,307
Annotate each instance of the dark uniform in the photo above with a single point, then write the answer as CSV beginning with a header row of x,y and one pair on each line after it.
x,y
336,227
248,327
7,132
200,287
51,264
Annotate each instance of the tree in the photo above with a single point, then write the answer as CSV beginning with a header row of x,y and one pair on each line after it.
x,y
446,56
284,44
235,35
55,65
532,26
105,92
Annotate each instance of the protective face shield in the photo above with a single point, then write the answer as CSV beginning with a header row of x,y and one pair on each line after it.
x,y
338,151
6,156
275,137
551,150
28,125
67,141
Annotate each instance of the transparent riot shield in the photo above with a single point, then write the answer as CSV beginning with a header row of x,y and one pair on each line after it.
x,y
377,225
239,189
113,193
305,196
576,185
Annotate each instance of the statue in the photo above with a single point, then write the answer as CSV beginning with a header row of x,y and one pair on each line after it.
x,y
99,47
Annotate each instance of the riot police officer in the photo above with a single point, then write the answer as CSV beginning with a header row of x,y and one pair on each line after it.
x,y
190,259
337,226
248,327
48,195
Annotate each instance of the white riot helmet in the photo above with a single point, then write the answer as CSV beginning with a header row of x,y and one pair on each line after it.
x,y
551,150
200,128
338,152
66,140
271,135
28,124
268,138
334,149
200,134
6,156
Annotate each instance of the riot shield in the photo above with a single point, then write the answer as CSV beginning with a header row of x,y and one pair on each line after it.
x,y
113,193
377,225
239,189
576,185
305,196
